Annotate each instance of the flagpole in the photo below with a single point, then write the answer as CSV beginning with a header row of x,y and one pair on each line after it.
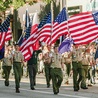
x,y
63,3
24,27
51,22
20,38
23,33
61,7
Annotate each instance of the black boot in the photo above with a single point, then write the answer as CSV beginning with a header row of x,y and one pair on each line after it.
x,y
6,83
17,90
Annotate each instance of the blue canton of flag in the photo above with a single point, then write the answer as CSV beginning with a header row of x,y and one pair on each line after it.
x,y
26,36
2,53
5,25
20,41
95,16
60,27
47,19
61,16
28,31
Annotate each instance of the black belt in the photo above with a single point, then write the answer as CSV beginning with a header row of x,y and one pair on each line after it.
x,y
55,68
84,65
16,62
77,61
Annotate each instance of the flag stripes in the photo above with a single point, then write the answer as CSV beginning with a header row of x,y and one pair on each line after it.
x,y
8,34
40,33
5,32
59,26
83,28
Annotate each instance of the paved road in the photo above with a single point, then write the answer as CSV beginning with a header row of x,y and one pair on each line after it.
x,y
66,91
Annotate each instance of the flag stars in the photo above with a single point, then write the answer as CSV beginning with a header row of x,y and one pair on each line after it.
x,y
4,27
47,20
62,16
95,16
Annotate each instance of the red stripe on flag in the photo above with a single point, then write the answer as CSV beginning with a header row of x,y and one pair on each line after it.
x,y
82,27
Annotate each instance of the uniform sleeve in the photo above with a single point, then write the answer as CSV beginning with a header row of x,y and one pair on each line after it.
x,y
62,59
22,57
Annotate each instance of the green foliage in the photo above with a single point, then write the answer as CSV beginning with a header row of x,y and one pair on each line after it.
x,y
46,9
30,2
18,3
4,4
47,1
56,9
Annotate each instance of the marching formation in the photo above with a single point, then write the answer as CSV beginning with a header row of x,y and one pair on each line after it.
x,y
81,63
77,55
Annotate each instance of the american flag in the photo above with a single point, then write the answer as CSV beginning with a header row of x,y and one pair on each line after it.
x,y
42,31
59,26
5,32
83,27
28,31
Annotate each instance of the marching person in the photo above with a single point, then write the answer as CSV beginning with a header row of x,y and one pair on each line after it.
x,y
47,64
32,68
68,66
40,63
56,70
7,64
90,69
77,66
85,65
17,62
92,63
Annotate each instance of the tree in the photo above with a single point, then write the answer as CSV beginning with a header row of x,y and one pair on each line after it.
x,y
47,1
47,8
4,4
19,3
